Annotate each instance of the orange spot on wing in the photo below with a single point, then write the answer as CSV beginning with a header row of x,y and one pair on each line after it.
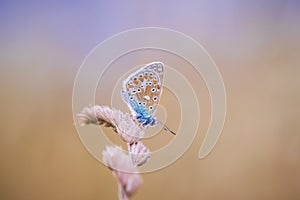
x,y
135,82
141,79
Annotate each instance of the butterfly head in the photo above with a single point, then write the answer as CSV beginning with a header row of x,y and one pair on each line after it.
x,y
146,121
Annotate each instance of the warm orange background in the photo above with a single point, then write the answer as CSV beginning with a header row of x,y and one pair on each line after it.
x,y
254,44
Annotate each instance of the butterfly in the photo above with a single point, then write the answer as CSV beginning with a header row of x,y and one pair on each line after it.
x,y
142,91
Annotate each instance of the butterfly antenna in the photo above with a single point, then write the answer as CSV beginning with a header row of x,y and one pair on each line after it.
x,y
166,128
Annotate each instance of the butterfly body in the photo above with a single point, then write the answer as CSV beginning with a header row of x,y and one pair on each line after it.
x,y
142,90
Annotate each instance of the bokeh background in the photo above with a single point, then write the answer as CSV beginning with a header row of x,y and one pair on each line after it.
x,y
256,47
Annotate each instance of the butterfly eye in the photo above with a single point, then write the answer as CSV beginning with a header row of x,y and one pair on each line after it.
x,y
140,103
144,103
135,78
153,89
133,91
138,90
131,97
150,83
142,86
151,74
140,75
155,98
146,73
150,107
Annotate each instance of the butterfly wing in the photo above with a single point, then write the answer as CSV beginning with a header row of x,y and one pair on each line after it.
x,y
142,89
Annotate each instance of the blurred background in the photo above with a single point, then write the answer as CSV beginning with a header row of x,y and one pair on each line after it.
x,y
255,44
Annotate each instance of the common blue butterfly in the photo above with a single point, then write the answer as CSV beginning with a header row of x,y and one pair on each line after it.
x,y
142,91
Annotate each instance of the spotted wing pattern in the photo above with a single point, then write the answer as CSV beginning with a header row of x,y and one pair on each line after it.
x,y
142,89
